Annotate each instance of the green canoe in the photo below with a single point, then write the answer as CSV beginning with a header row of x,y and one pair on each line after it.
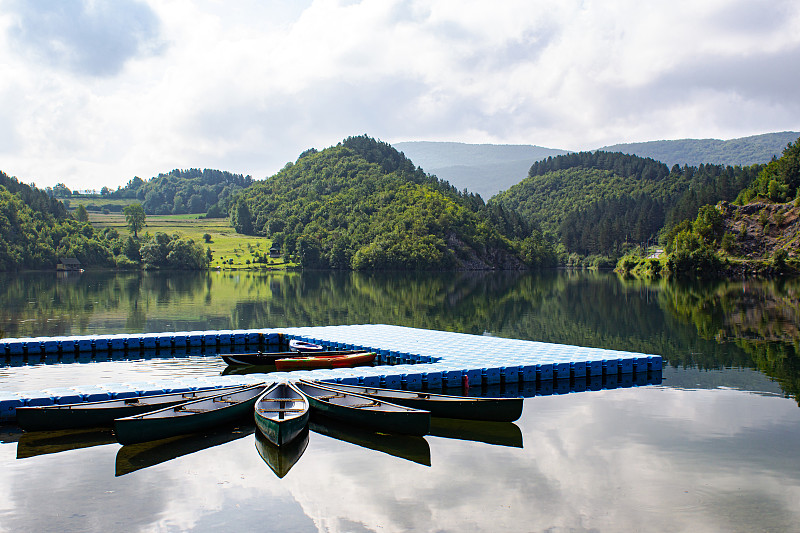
x,y
442,405
96,414
188,417
281,413
366,412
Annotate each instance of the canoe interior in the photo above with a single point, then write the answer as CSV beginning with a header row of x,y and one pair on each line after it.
x,y
281,402
345,399
205,405
443,405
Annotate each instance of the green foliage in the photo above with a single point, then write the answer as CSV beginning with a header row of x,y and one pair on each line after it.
x,y
134,218
779,181
186,191
131,249
602,203
363,205
692,247
35,230
165,252
81,215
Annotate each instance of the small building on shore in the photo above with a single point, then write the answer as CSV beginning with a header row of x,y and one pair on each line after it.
x,y
69,264
274,252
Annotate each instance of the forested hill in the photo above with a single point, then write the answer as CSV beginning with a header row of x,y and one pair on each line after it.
x,y
693,152
363,205
35,230
596,202
185,191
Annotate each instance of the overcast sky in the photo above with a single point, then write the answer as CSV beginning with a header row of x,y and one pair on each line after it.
x,y
95,92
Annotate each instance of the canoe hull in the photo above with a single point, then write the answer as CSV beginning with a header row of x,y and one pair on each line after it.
x,y
442,405
281,430
97,414
325,361
161,424
267,358
394,419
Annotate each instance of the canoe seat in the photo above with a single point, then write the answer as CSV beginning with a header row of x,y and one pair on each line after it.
x,y
329,396
191,410
282,399
368,404
225,400
285,410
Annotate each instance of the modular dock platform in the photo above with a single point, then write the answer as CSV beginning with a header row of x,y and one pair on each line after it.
x,y
415,359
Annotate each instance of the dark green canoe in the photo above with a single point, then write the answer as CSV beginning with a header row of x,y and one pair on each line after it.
x,y
442,405
366,412
96,414
188,417
281,413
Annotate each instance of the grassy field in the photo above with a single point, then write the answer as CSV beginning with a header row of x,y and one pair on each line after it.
x,y
225,244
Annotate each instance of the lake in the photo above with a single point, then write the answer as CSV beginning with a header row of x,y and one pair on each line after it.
x,y
710,444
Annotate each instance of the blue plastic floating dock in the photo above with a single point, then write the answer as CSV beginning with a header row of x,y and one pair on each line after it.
x,y
417,358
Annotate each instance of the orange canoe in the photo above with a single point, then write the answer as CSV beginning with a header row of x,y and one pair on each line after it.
x,y
325,361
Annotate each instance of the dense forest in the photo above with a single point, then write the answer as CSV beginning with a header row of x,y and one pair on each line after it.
x,y
36,230
185,191
364,205
599,203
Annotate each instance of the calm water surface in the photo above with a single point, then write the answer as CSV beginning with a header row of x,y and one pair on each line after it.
x,y
712,446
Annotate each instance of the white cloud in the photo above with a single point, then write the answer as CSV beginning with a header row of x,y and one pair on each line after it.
x,y
246,88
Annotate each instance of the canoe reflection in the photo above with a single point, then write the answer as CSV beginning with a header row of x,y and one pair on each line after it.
x,y
32,443
241,370
281,459
497,433
132,457
411,448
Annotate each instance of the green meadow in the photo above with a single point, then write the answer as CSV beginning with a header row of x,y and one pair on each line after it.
x,y
229,249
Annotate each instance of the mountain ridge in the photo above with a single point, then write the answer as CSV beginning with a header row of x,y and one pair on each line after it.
x,y
467,165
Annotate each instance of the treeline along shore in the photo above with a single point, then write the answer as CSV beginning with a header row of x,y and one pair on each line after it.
x,y
363,205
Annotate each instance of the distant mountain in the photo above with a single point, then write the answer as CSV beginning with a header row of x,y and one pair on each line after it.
x,y
485,169
743,151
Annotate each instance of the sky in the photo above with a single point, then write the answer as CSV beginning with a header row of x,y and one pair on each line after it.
x,y
94,92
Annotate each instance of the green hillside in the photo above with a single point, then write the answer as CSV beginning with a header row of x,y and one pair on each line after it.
x,y
363,205
744,151
600,203
36,230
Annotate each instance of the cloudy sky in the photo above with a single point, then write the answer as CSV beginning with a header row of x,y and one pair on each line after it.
x,y
94,92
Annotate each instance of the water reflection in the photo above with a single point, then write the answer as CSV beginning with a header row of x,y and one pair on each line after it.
x,y
408,447
496,433
33,443
281,459
741,324
636,459
133,457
